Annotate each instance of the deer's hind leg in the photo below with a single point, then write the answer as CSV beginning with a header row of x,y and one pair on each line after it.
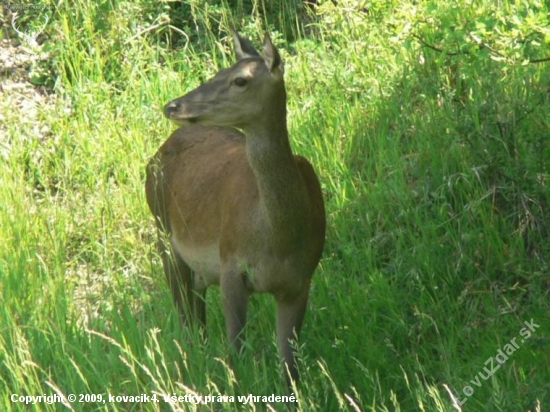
x,y
190,303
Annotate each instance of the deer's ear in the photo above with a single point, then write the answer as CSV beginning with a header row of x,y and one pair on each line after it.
x,y
272,57
243,47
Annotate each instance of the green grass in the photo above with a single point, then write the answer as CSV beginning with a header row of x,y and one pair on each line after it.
x,y
433,152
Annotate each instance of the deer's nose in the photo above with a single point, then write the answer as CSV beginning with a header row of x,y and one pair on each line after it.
x,y
171,108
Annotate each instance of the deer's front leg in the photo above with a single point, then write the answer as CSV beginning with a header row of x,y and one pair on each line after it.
x,y
290,315
235,302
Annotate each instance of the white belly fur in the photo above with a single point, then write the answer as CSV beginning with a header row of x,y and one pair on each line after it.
x,y
204,261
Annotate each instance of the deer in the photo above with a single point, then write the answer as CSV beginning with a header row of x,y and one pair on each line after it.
x,y
233,205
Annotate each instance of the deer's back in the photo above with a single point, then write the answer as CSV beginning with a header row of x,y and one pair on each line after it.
x,y
190,174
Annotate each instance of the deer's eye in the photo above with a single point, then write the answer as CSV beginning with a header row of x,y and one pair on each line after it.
x,y
240,81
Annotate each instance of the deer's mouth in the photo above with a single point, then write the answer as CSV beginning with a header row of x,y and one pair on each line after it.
x,y
183,121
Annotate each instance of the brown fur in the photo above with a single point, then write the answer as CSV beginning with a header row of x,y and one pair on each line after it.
x,y
237,210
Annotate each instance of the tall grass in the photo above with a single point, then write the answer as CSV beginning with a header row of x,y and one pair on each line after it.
x,y
433,153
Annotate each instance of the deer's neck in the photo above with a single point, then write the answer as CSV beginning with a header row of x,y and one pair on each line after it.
x,y
281,188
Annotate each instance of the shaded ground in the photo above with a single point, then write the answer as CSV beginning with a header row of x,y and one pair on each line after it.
x,y
21,101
